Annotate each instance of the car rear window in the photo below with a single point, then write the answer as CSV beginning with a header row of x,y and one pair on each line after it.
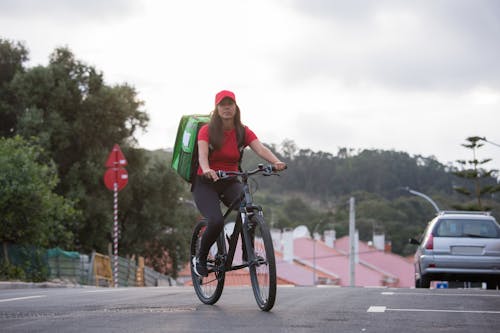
x,y
467,228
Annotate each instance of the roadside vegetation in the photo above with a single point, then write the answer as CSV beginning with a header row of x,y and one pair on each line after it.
x,y
58,123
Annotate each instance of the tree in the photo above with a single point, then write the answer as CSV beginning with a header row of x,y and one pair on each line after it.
x,y
480,177
30,211
77,118
289,148
12,57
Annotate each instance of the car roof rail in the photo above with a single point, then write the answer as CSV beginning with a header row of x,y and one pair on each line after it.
x,y
464,212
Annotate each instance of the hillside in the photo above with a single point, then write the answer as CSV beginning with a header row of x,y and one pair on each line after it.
x,y
316,187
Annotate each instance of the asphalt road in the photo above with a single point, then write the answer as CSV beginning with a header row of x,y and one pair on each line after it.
x,y
176,309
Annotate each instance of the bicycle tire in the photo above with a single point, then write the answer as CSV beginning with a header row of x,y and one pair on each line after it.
x,y
209,288
263,269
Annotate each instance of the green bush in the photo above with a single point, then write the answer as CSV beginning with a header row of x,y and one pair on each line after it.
x,y
11,272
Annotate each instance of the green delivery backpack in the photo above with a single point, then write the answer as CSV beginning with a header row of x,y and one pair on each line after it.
x,y
185,155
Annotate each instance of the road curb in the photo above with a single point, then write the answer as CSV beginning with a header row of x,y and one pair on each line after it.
x,y
28,285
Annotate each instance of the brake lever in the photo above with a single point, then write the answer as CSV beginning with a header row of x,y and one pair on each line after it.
x,y
268,171
221,174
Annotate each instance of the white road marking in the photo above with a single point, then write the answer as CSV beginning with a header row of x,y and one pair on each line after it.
x,y
382,309
376,309
20,298
448,311
390,293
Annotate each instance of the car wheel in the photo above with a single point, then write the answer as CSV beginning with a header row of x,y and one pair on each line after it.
x,y
492,284
425,282
417,283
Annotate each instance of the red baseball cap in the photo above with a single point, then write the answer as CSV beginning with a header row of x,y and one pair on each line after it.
x,y
223,94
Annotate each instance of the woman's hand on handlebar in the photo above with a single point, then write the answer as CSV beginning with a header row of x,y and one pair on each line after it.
x,y
211,174
279,166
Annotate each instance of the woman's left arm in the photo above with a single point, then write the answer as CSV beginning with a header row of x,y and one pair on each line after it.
x,y
267,154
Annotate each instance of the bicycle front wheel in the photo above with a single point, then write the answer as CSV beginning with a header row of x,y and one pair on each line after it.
x,y
209,288
263,267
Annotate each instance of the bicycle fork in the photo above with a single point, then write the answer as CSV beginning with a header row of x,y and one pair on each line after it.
x,y
248,234
243,227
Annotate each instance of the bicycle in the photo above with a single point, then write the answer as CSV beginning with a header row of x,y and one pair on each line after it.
x,y
257,244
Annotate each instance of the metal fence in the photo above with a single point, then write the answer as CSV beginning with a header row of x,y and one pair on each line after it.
x,y
96,269
130,273
23,262
68,266
154,279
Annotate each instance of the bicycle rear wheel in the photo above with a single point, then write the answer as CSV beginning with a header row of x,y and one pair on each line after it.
x,y
209,288
263,268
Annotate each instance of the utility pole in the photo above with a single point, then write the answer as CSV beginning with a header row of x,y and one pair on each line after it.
x,y
352,247
314,260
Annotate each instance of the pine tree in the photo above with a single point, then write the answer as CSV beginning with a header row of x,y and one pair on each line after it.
x,y
480,177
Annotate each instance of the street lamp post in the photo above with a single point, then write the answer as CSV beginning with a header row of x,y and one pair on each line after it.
x,y
490,142
423,196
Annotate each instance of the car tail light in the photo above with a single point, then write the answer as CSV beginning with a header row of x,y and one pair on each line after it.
x,y
429,244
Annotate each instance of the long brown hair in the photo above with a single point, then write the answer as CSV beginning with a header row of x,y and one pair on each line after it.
x,y
215,131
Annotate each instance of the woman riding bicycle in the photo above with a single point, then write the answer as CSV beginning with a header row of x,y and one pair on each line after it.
x,y
219,145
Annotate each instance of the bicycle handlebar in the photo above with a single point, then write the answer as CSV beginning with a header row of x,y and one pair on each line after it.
x,y
267,170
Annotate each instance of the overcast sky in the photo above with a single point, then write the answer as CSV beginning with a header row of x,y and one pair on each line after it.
x,y
412,76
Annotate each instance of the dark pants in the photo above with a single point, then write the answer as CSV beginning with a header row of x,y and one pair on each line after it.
x,y
207,196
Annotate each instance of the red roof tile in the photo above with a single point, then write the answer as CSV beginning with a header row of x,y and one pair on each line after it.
x,y
387,262
335,263
375,268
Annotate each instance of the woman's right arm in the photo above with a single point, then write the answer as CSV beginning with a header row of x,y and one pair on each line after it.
x,y
203,161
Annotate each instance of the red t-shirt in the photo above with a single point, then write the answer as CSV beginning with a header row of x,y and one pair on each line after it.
x,y
228,156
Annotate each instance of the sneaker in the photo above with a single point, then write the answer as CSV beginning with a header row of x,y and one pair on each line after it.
x,y
198,268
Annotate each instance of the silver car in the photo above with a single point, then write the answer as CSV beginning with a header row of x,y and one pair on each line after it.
x,y
459,246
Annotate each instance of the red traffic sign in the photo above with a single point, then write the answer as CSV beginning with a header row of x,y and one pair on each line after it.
x,y
115,175
116,158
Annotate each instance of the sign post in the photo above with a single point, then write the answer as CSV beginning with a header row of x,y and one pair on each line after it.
x,y
115,179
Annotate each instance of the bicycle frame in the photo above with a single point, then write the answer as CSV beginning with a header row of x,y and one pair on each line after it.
x,y
241,227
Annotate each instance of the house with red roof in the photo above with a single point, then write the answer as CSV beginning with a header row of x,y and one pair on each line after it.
x,y
305,261
398,270
372,267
